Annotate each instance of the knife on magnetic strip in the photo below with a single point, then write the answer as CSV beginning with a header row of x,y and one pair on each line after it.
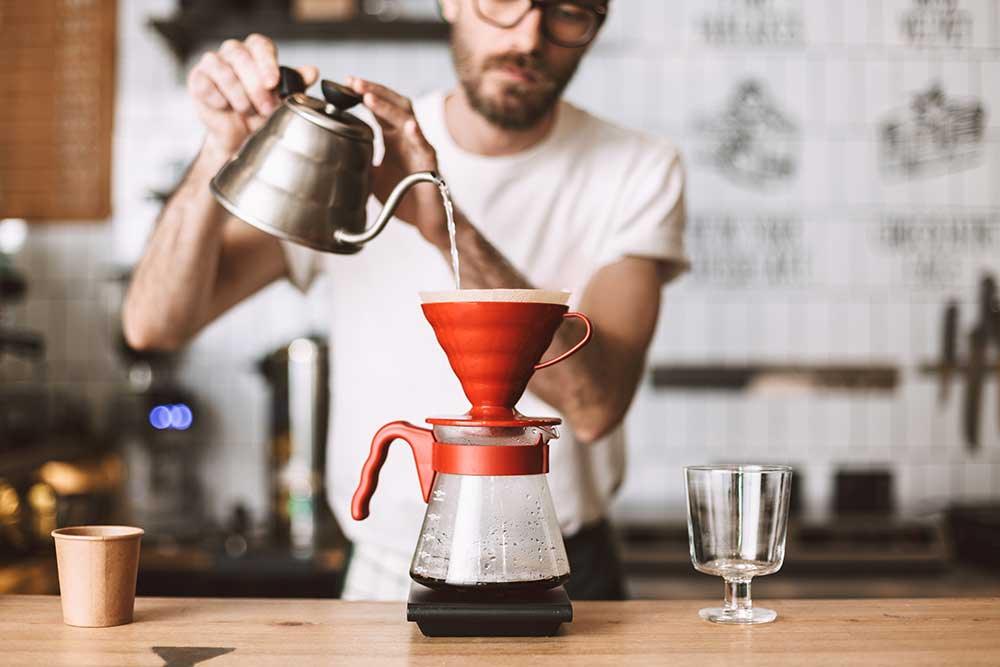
x,y
949,351
979,339
990,308
974,371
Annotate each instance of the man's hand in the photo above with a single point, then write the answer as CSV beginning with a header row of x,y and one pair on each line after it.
x,y
406,152
200,261
233,90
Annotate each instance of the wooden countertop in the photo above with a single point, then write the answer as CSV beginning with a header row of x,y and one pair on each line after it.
x,y
952,631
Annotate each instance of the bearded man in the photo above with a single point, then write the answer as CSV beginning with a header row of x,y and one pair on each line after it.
x,y
547,196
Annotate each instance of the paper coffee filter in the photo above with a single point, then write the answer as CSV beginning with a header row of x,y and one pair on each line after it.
x,y
558,297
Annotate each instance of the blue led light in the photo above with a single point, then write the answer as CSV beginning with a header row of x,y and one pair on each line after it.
x,y
159,417
181,417
176,416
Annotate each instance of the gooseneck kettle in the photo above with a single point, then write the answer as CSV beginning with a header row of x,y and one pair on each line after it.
x,y
305,175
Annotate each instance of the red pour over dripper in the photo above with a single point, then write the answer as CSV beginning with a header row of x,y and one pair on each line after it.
x,y
494,340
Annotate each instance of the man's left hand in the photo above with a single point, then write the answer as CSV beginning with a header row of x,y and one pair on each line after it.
x,y
406,152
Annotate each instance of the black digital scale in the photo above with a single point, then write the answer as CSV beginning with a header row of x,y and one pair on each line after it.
x,y
524,613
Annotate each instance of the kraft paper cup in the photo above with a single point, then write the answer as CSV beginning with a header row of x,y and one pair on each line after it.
x,y
97,570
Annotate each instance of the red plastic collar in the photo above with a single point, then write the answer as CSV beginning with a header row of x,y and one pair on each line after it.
x,y
491,459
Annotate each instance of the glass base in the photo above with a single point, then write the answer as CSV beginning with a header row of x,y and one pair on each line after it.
x,y
750,616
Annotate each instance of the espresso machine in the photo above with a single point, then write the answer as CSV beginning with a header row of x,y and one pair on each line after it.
x,y
161,426
490,559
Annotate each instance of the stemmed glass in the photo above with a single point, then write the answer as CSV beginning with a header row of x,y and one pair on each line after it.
x,y
737,516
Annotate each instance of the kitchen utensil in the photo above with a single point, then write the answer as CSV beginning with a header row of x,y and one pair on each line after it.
x,y
737,517
493,340
297,375
989,318
949,351
490,529
490,523
97,572
974,374
524,613
304,176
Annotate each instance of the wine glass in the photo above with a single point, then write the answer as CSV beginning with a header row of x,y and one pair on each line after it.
x,y
737,516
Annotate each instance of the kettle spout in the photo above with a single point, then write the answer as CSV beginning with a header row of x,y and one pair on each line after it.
x,y
391,202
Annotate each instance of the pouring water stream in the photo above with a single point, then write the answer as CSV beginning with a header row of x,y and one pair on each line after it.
x,y
449,211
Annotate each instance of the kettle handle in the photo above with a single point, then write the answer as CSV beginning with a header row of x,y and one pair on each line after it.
x,y
420,440
289,82
391,202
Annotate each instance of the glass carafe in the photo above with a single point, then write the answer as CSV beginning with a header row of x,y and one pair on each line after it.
x,y
487,532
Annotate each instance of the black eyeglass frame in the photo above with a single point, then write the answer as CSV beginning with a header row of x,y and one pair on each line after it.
x,y
600,13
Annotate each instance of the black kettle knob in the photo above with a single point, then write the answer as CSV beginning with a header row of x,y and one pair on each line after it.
x,y
289,82
339,95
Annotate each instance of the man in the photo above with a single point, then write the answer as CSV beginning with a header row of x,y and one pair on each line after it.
x,y
547,196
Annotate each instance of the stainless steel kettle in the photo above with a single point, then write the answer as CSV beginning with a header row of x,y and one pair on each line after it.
x,y
305,175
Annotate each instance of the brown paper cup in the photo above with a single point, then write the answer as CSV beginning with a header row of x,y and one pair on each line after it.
x,y
97,569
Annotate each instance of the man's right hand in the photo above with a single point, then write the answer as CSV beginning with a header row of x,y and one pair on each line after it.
x,y
234,90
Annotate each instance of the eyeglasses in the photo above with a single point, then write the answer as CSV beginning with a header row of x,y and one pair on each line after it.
x,y
564,23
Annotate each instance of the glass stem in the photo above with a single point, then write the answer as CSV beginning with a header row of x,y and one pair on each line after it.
x,y
738,600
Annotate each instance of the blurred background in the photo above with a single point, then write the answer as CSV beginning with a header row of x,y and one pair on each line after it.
x,y
842,317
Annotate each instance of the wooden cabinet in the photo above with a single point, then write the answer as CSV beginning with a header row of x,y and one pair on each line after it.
x,y
57,71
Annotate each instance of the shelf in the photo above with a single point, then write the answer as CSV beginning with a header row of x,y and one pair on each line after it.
x,y
749,377
842,545
958,370
187,32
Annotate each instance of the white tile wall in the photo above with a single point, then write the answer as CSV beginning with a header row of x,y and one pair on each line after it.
x,y
849,68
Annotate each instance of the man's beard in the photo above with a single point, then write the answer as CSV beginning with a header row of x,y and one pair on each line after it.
x,y
517,107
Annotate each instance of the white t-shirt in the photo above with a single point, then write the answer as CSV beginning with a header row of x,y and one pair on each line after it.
x,y
587,195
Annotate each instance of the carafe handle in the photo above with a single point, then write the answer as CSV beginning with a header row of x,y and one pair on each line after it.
x,y
420,440
391,202
576,348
